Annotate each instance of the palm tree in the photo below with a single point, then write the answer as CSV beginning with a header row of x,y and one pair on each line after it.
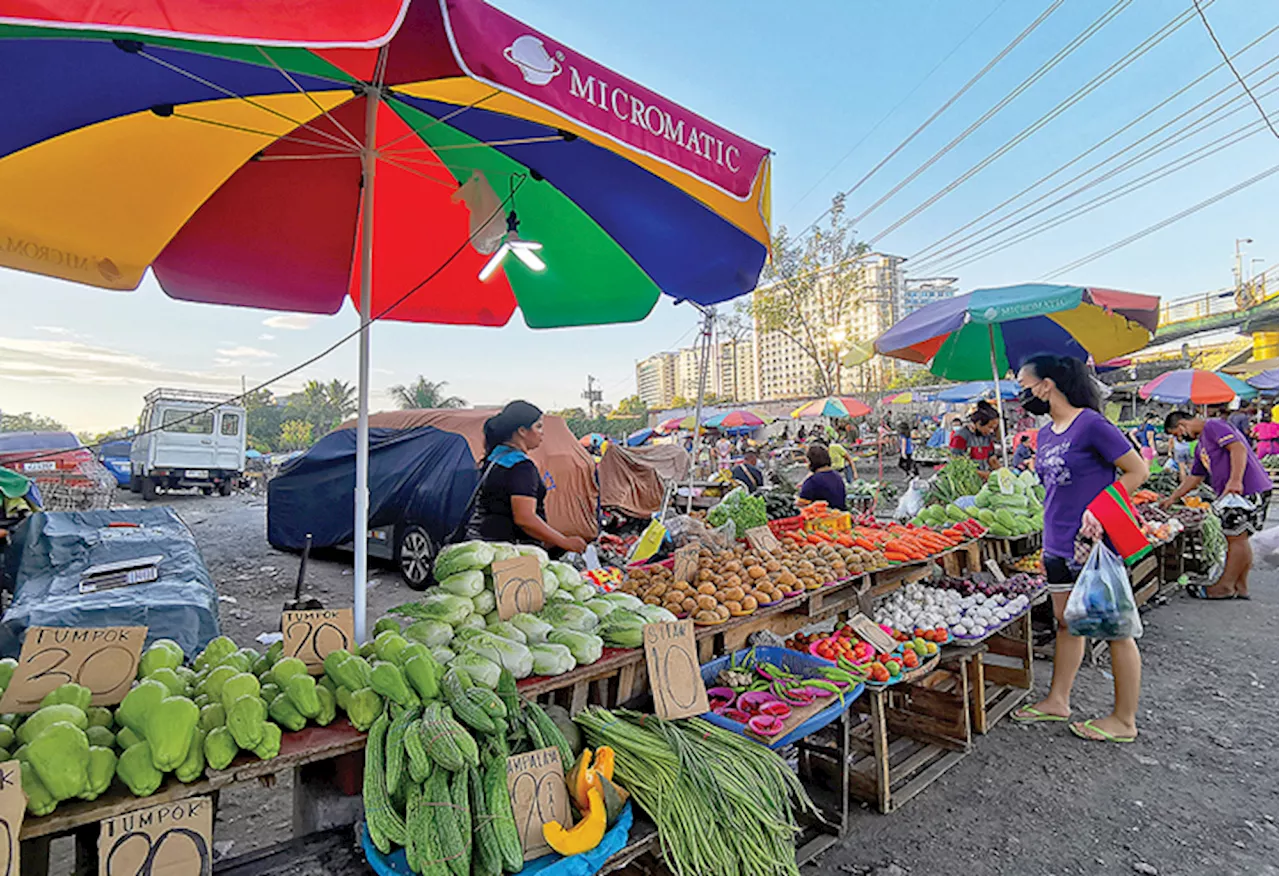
x,y
340,396
423,393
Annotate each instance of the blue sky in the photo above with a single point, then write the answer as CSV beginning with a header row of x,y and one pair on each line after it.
x,y
810,84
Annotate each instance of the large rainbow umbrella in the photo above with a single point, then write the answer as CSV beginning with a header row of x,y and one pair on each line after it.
x,y
1192,386
734,420
434,160
832,406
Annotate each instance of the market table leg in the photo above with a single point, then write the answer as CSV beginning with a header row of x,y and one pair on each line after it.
x,y
977,694
880,741
86,840
35,856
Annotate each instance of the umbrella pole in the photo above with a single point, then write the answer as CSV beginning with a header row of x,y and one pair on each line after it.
x,y
995,373
368,160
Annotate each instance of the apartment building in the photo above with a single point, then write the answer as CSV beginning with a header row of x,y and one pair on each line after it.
x,y
656,380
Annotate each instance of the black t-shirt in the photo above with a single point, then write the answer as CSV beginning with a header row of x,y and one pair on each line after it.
x,y
493,519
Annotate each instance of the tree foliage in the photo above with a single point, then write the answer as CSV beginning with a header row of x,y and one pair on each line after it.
x,y
423,393
813,290
631,406
294,435
29,422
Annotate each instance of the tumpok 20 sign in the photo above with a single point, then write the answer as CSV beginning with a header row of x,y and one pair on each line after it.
x,y
496,48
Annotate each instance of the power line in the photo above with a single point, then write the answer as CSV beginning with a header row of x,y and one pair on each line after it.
x,y
960,247
897,107
1182,162
1151,229
1222,52
936,248
1035,77
951,100
1080,94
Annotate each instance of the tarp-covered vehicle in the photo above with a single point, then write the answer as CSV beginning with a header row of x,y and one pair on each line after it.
x,y
54,553
419,482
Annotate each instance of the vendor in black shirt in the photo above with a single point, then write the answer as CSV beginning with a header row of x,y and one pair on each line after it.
x,y
511,505
748,472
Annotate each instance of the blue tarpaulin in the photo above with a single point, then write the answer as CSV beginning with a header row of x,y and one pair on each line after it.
x,y
52,548
422,475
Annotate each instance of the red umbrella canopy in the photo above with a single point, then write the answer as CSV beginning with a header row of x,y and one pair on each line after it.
x,y
224,146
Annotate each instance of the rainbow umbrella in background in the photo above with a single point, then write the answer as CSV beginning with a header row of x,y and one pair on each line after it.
x,y
989,332
675,424
1192,386
832,406
734,420
905,398
435,161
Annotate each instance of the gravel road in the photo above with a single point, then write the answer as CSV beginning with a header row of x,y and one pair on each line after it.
x,y
1196,794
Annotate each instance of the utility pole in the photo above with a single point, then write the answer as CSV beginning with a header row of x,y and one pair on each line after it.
x,y
593,397
1240,298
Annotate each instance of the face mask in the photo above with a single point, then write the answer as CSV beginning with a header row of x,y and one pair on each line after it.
x,y
1032,405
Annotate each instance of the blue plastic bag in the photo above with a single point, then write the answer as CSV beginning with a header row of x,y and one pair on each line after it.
x,y
1101,604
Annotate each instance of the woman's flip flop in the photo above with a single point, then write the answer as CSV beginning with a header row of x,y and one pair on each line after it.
x,y
1032,715
1081,727
1199,591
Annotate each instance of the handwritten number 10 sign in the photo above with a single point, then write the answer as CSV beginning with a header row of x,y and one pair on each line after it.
x,y
674,674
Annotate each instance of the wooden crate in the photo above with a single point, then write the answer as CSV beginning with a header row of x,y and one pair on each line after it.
x,y
1172,559
1144,578
1001,672
844,596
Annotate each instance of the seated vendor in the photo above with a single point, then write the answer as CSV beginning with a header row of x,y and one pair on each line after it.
x,y
822,484
748,472
510,505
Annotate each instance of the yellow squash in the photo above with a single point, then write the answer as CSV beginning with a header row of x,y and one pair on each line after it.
x,y
583,836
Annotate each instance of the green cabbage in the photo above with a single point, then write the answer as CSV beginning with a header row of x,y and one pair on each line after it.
x,y
482,670
443,654
472,620
512,656
492,617
550,583
565,574
586,648
624,600
571,616
503,551
535,629
601,607
484,602
447,608
532,550
560,595
583,592
656,614
431,633
468,583
456,558
549,659
507,630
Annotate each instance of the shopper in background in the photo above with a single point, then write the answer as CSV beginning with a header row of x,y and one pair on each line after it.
x,y
906,450
1077,455
1224,456
1242,419
840,461
822,484
976,439
1144,437
1180,453
1023,453
724,453
748,472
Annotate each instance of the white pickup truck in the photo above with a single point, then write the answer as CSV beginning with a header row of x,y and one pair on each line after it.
x,y
187,439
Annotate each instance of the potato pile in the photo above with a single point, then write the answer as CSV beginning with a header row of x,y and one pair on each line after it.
x,y
732,583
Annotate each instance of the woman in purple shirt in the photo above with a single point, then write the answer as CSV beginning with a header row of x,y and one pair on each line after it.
x,y
1077,456
1223,455
822,484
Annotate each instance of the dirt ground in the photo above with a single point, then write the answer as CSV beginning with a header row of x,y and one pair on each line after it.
x,y
1196,794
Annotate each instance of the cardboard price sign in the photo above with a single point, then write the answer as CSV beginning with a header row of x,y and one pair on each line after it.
x,y
13,805
762,539
172,839
103,659
535,781
674,673
995,570
686,563
869,631
311,635
517,583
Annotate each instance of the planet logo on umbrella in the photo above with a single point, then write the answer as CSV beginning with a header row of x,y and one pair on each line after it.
x,y
531,57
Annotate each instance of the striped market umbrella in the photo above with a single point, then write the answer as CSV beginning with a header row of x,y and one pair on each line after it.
x,y
832,406
905,398
734,420
434,161
1192,386
676,424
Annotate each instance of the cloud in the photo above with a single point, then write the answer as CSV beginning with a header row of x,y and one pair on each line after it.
x,y
72,362
292,321
266,337
242,354
54,329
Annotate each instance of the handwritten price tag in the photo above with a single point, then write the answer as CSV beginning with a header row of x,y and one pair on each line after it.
x,y
674,675
762,539
517,583
311,635
535,781
869,631
686,563
13,805
103,659
172,839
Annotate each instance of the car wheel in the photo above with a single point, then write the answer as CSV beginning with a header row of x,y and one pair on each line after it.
x,y
148,489
206,491
414,554
224,488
